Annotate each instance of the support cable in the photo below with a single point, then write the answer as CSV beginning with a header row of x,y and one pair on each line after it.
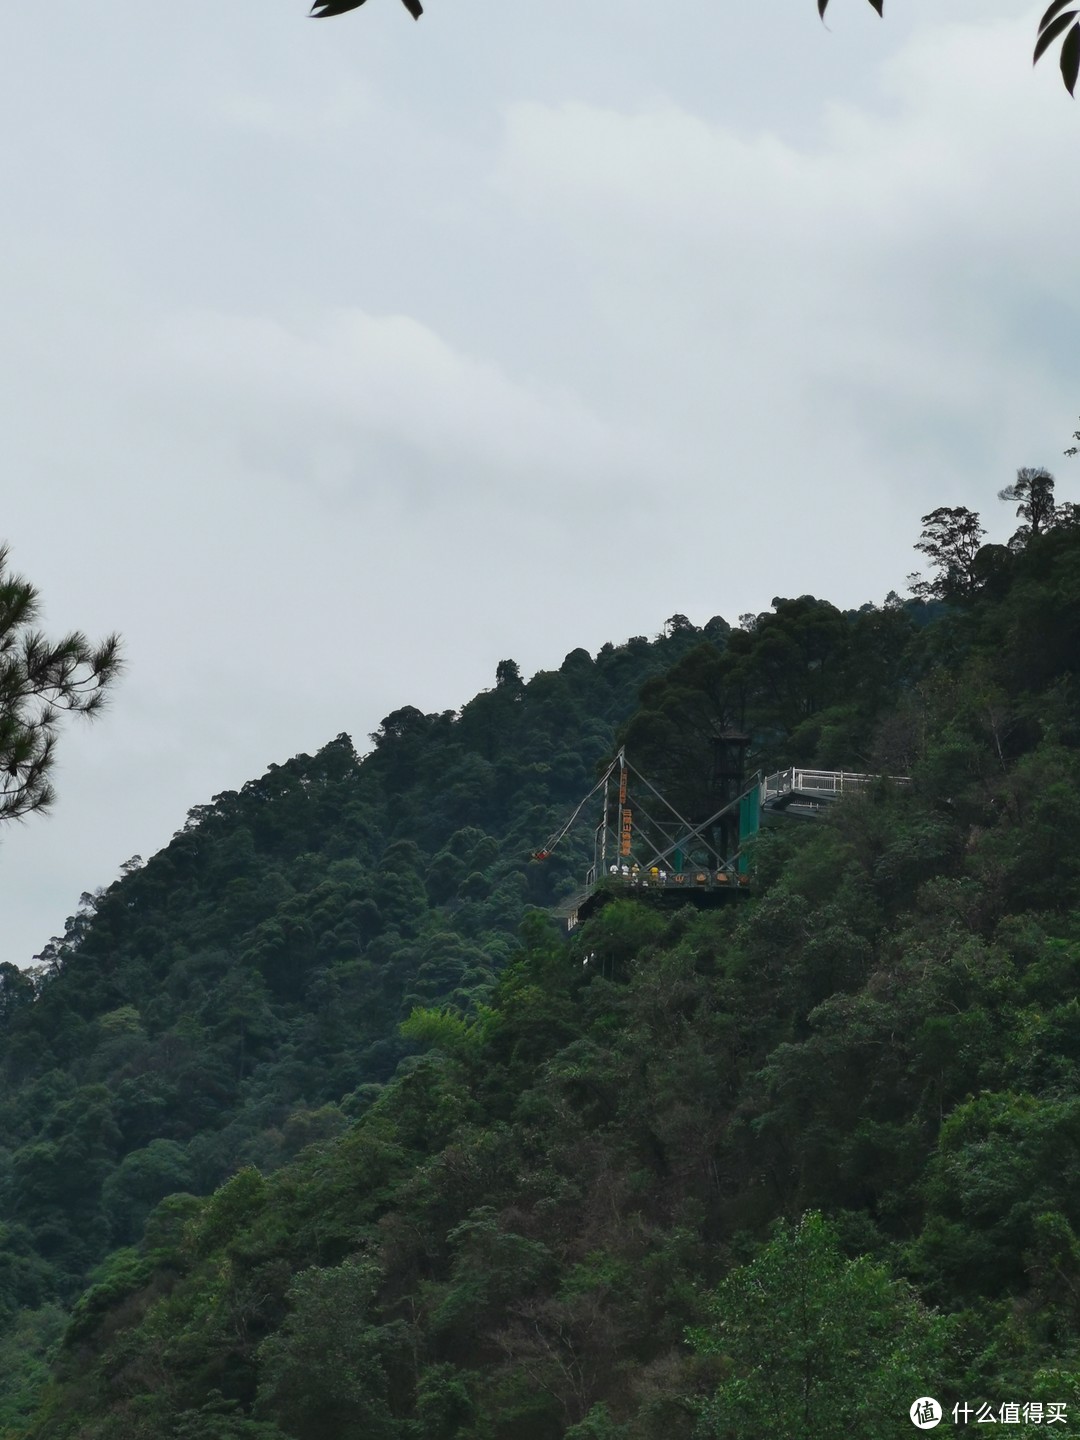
x,y
543,853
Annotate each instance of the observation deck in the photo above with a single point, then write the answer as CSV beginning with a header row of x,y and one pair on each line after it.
x,y
644,849
800,792
702,888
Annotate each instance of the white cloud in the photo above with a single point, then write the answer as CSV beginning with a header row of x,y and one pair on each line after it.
x,y
297,395
881,270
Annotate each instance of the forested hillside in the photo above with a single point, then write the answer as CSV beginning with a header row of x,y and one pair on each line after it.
x,y
316,1126
234,999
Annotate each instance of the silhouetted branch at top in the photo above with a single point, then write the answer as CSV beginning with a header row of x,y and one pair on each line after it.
x,y
323,9
1058,21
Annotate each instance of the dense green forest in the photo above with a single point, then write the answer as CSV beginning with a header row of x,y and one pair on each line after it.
x,y
317,1126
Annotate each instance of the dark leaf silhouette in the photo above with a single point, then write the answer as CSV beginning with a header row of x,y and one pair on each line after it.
x,y
1070,59
1051,32
323,9
1052,10
1055,22
822,6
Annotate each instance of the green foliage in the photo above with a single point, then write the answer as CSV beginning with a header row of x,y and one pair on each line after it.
x,y
323,1369
387,1154
141,1179
447,1031
1006,1168
26,1350
230,1210
444,1404
117,1277
952,541
815,1345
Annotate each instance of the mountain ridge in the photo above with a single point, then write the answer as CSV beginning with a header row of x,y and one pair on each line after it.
x,y
325,1056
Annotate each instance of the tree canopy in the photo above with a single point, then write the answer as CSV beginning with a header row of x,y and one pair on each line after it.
x,y
315,1123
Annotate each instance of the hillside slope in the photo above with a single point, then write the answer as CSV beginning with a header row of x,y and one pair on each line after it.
x,y
788,1164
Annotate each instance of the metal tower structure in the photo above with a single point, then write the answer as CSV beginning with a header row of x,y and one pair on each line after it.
x,y
643,845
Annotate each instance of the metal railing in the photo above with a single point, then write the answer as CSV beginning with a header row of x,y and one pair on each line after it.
x,y
654,881
824,784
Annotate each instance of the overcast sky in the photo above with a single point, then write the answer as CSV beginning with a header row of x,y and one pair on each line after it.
x,y
343,359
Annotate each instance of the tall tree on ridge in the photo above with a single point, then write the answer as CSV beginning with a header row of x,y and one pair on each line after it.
x,y
1033,494
951,537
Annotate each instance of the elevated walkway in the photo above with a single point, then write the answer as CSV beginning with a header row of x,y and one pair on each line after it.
x,y
805,792
704,889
